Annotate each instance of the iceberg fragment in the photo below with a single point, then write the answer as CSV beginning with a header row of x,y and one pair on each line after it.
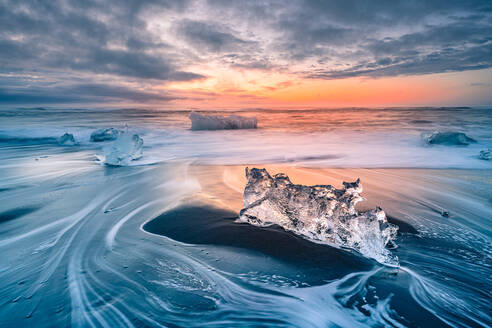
x,y
320,213
126,148
108,134
211,122
486,154
66,140
448,138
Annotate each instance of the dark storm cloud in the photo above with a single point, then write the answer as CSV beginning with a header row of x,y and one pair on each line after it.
x,y
446,60
127,63
455,47
78,36
212,37
373,38
78,93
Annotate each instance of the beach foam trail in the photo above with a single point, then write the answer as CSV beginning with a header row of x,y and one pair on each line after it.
x,y
81,258
75,249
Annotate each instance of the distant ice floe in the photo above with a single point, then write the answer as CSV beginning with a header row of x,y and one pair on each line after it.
x,y
107,134
448,138
126,148
218,122
67,140
486,154
321,213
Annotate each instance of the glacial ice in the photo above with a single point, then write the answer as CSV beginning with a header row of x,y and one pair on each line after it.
x,y
66,140
448,138
486,154
320,213
108,134
218,122
126,148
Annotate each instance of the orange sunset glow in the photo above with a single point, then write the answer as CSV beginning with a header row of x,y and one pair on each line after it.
x,y
241,88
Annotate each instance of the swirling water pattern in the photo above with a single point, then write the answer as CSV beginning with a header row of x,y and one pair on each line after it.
x,y
81,258
73,251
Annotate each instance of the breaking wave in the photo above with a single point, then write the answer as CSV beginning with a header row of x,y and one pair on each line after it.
x,y
217,122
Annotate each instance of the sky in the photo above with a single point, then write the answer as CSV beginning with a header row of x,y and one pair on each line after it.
x,y
223,54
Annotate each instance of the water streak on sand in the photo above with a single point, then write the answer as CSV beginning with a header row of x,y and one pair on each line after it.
x,y
76,250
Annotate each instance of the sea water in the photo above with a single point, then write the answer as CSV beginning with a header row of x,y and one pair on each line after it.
x,y
85,244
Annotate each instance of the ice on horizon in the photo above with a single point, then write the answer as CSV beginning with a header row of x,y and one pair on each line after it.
x,y
219,122
448,138
125,149
321,213
108,134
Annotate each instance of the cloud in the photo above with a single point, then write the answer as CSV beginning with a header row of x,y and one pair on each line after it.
x,y
141,43
211,37
78,93
89,36
480,84
439,61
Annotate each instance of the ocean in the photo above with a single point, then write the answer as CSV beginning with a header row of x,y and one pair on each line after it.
x,y
156,242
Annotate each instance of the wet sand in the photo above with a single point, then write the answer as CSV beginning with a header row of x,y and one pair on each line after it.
x,y
400,192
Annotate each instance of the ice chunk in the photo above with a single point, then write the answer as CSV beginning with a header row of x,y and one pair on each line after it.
x,y
105,134
211,122
486,154
448,138
321,213
66,140
126,148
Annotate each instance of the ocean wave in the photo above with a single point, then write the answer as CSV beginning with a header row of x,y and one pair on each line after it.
x,y
448,138
374,138
217,122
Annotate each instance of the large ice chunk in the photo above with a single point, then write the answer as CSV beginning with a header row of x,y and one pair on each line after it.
x,y
218,122
66,140
321,213
126,148
108,134
448,138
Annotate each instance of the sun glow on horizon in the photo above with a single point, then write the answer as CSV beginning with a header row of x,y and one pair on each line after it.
x,y
232,88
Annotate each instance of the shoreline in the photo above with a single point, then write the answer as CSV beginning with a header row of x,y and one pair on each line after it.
x,y
96,215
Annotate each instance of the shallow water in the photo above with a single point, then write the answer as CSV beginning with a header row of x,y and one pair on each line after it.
x,y
332,137
76,247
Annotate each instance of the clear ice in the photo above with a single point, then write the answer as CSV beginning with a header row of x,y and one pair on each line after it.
x,y
320,213
126,148
211,122
448,138
107,134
